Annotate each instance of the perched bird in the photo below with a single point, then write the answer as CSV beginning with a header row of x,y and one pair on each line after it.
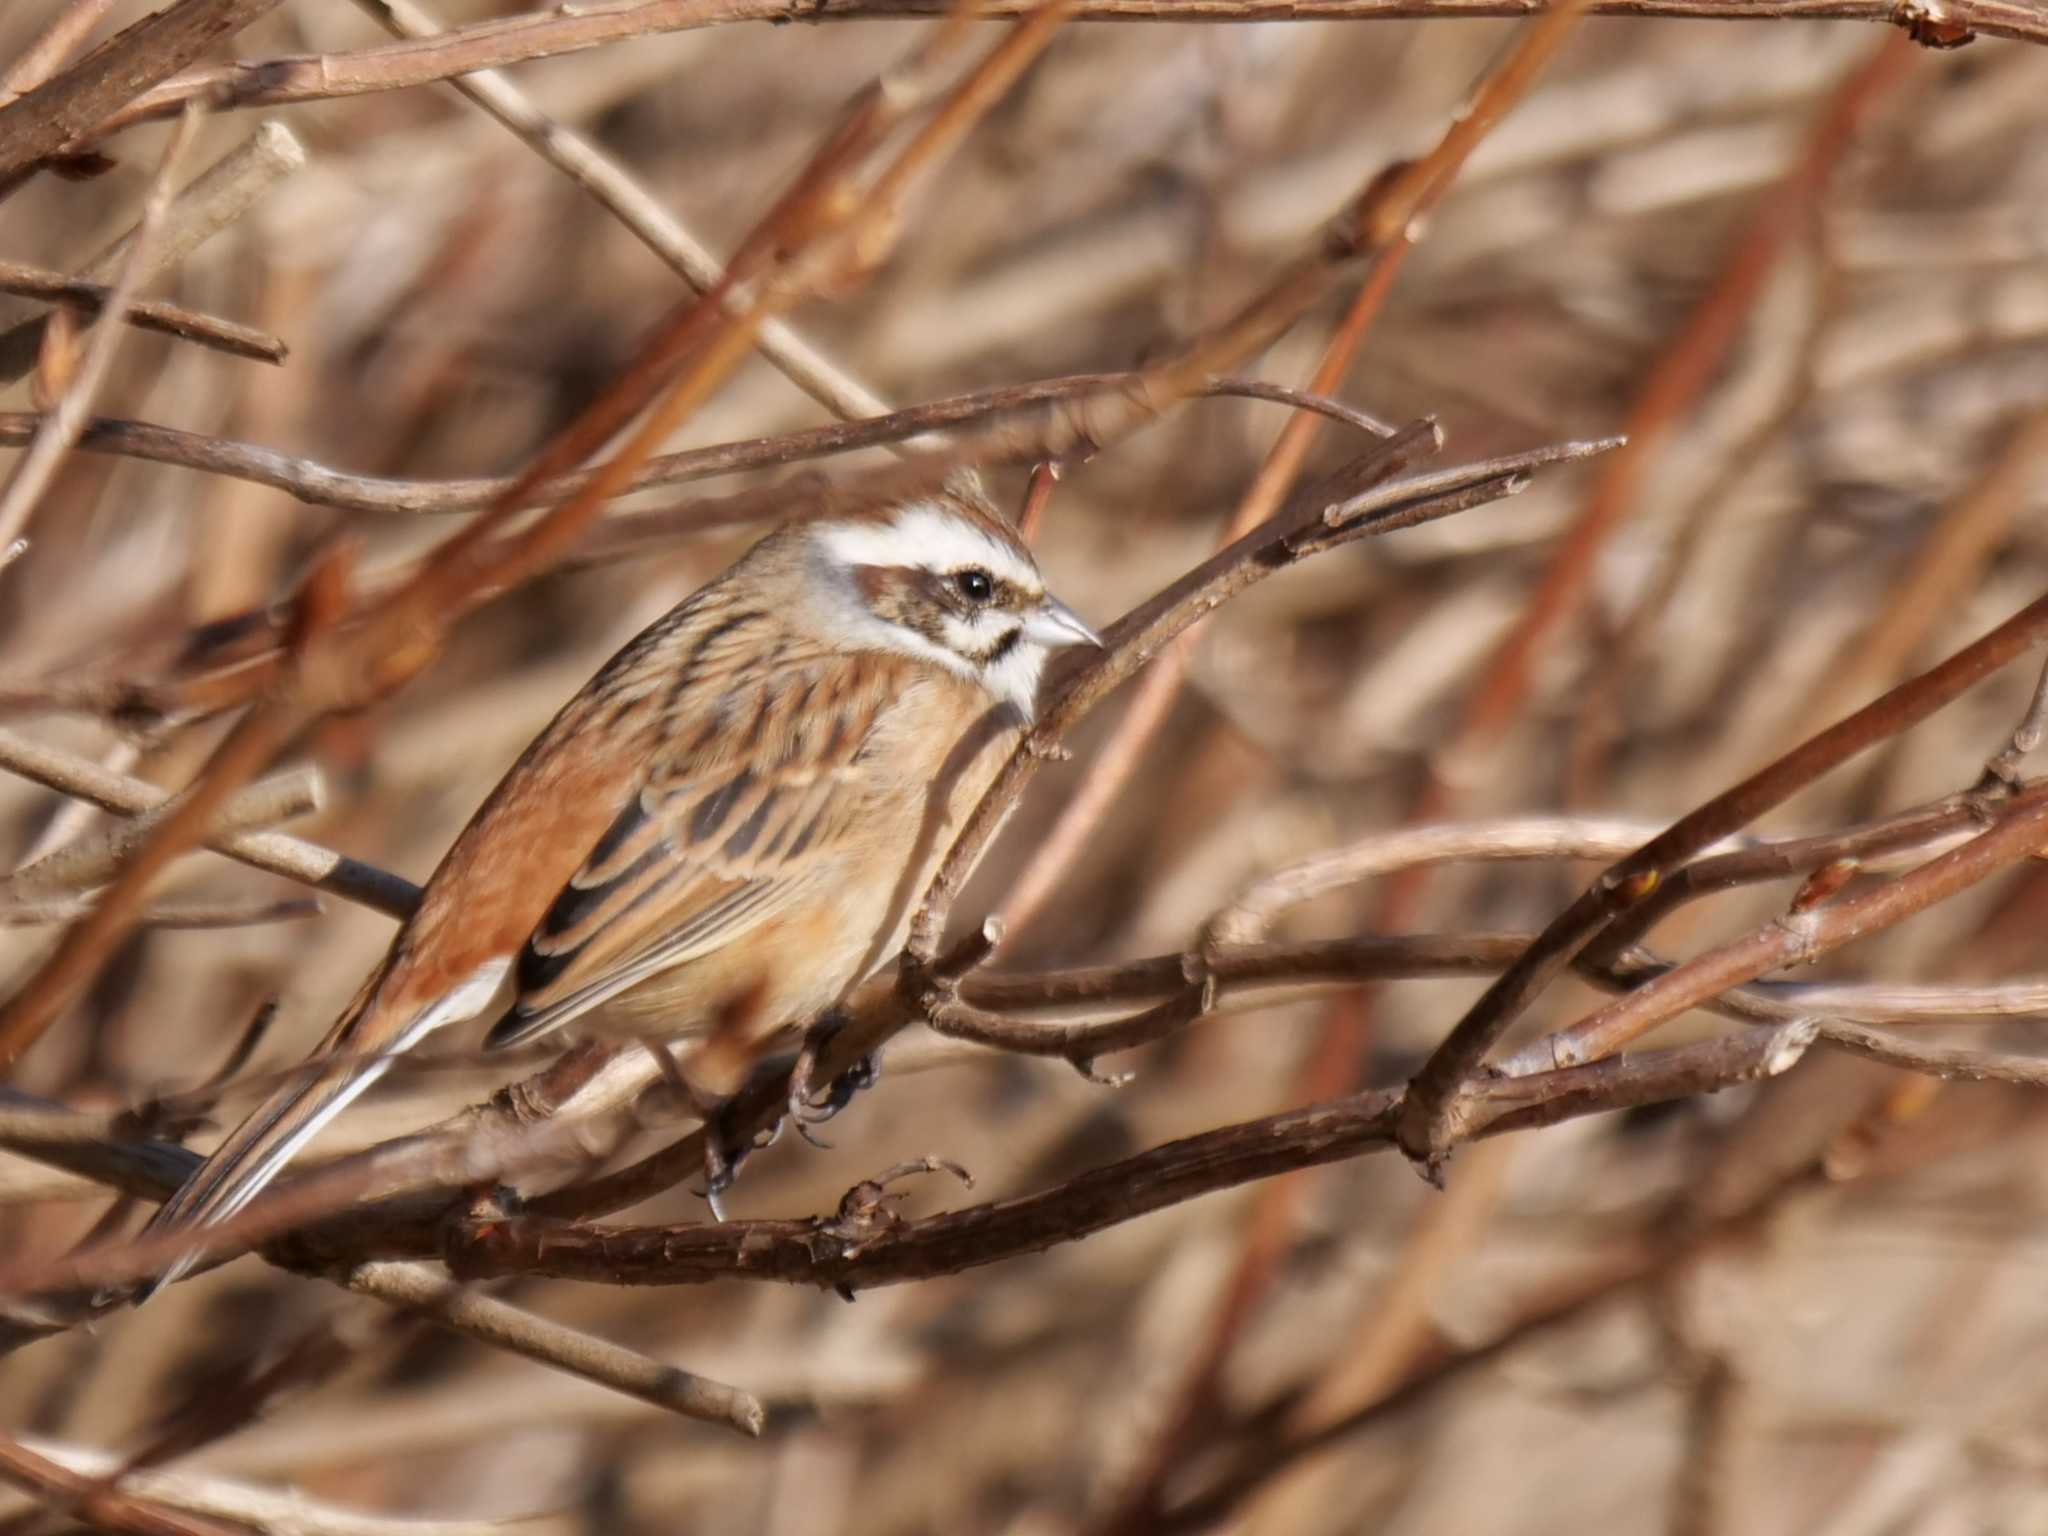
x,y
725,830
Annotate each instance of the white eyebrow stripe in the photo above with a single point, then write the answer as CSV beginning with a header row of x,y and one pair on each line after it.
x,y
926,535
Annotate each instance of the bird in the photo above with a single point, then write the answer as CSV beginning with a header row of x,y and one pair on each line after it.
x,y
722,833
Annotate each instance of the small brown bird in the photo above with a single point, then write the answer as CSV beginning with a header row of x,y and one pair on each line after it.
x,y
733,820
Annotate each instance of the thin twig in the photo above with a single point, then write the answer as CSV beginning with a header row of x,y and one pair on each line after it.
x,y
2004,765
1250,914
545,34
165,914
274,852
213,200
65,1491
453,1306
145,314
60,427
45,55
1953,1063
319,486
209,203
1803,936
656,226
1877,847
282,1511
81,865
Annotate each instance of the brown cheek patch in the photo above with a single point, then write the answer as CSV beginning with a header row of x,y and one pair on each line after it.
x,y
897,595
914,599
872,583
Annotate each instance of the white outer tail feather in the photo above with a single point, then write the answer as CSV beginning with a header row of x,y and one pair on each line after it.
x,y
222,1186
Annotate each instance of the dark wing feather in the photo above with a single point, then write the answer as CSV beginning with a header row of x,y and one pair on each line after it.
x,y
745,795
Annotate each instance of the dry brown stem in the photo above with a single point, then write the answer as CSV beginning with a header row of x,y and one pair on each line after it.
x,y
48,117
1682,373
146,314
60,427
64,1491
494,44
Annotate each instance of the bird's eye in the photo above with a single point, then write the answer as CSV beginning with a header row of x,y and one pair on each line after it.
x,y
975,584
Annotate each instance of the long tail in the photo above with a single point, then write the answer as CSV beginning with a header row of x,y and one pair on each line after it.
x,y
360,1048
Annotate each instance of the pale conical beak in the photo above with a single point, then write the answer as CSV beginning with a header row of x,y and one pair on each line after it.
x,y
1052,624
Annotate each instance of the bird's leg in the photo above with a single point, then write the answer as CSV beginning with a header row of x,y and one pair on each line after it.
x,y
725,1147
808,1107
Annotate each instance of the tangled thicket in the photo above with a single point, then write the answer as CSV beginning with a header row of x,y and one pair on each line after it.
x,y
1666,805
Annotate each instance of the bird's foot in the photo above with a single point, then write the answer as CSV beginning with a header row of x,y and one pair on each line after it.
x,y
722,1158
726,1142
808,1106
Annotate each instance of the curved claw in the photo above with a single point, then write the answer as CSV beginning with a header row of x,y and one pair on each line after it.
x,y
808,1107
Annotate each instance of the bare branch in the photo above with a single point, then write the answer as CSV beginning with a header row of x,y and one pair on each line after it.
x,y
2026,736
1803,936
1951,1063
545,34
59,39
1636,878
857,1250
81,865
461,1310
809,369
317,485
214,199
165,914
64,1491
59,429
278,1512
50,116
274,852
145,314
